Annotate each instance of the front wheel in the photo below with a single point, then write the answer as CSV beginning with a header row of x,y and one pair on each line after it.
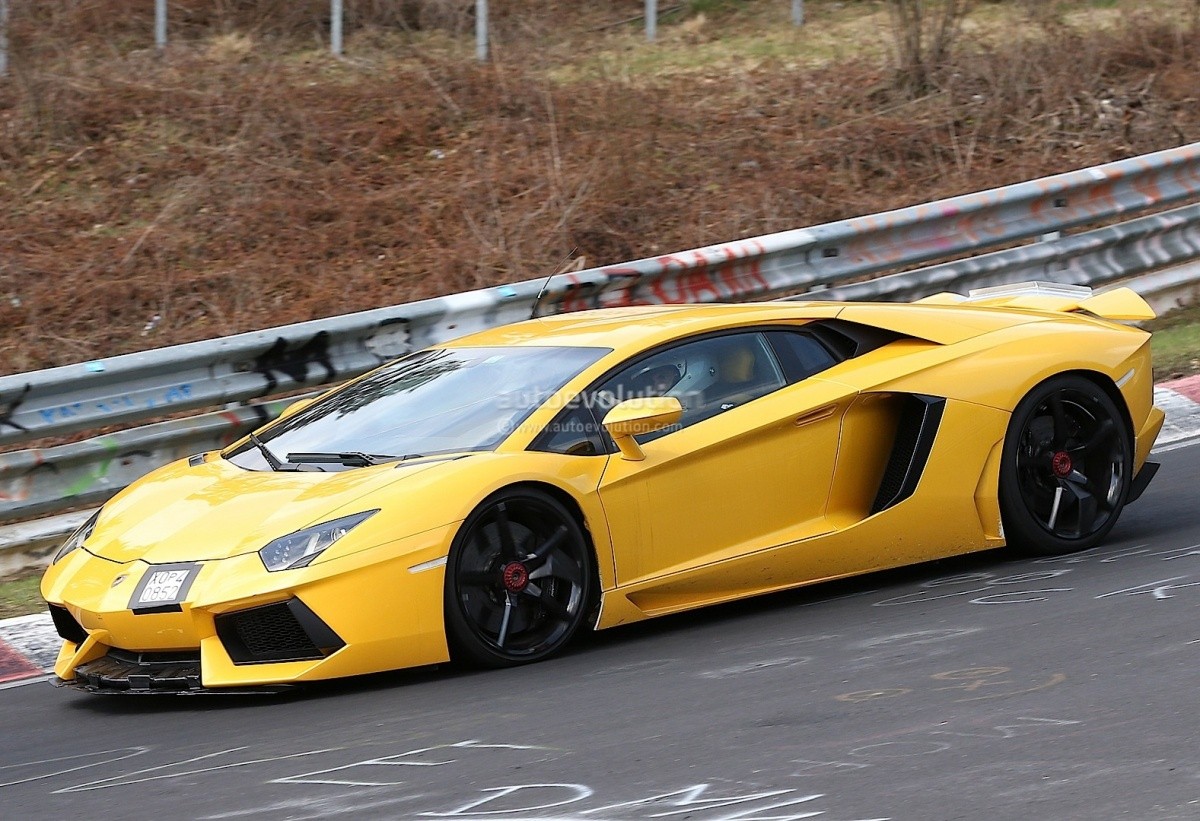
x,y
1066,469
519,581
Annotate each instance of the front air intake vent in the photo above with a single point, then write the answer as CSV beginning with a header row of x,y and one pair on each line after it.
x,y
286,631
66,625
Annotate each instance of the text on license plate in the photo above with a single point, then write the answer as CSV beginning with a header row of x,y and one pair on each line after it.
x,y
163,586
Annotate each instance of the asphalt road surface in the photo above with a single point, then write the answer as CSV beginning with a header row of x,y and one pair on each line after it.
x,y
984,687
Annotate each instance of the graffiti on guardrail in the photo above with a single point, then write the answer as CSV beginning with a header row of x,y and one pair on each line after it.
x,y
295,361
822,261
34,481
8,408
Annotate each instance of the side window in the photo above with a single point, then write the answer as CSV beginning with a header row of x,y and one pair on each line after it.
x,y
708,377
574,432
800,354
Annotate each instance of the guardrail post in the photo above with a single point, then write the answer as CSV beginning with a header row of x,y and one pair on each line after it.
x,y
3,38
797,12
336,15
481,30
651,20
160,24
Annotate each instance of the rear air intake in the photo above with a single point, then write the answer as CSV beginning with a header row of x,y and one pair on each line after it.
x,y
917,428
285,631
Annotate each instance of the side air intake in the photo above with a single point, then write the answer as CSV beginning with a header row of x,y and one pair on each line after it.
x,y
285,631
915,432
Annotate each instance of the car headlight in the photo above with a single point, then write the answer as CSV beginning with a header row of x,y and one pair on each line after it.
x,y
77,538
300,548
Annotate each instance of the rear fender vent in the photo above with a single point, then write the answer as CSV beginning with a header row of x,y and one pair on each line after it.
x,y
917,428
284,631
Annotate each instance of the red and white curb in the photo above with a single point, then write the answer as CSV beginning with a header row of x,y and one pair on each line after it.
x,y
28,647
29,644
1180,400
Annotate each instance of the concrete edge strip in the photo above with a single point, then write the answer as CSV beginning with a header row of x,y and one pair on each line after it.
x,y
1180,400
31,642
28,648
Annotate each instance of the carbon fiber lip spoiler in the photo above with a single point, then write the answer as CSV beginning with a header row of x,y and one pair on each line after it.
x,y
272,689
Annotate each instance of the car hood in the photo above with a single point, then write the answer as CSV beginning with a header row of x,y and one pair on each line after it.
x,y
215,510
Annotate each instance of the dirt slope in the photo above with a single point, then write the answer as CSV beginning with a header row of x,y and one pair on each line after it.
x,y
246,179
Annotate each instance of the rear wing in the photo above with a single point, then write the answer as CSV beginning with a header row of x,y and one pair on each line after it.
x,y
1119,304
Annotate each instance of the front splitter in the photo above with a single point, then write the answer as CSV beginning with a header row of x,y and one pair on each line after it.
x,y
265,690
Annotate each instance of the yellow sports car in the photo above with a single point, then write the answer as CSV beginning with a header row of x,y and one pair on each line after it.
x,y
486,499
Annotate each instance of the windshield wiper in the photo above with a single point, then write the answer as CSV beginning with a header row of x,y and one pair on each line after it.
x,y
354,459
272,460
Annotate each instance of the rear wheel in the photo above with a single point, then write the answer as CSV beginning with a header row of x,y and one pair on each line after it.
x,y
1066,469
519,580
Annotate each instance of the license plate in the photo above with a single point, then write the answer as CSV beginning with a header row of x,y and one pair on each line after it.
x,y
163,585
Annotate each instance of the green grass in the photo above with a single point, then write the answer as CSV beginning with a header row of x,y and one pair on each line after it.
x,y
1176,343
714,36
20,596
716,6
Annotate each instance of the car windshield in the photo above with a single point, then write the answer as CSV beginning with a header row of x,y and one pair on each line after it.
x,y
434,401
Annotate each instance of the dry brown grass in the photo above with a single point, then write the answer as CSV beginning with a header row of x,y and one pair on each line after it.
x,y
245,179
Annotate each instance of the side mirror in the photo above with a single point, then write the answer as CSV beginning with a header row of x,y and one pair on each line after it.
x,y
637,416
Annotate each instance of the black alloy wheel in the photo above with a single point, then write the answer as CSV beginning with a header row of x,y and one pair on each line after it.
x,y
1066,469
519,582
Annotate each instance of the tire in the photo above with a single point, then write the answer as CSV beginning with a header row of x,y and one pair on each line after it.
x,y
519,581
1066,469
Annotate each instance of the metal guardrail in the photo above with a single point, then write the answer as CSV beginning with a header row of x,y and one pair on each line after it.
x,y
1092,258
258,366
41,481
29,544
1170,289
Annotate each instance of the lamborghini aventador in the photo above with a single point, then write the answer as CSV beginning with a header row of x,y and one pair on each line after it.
x,y
486,499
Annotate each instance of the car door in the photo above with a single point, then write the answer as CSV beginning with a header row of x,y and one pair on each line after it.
x,y
747,468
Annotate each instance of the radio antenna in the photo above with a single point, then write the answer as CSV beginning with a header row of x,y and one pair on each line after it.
x,y
537,302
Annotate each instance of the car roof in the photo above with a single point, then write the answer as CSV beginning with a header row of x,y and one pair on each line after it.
x,y
638,326
631,328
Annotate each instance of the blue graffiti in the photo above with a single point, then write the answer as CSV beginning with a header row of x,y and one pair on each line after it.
x,y
173,395
115,404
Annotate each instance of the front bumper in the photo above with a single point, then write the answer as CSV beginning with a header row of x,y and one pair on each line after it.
x,y
242,627
284,631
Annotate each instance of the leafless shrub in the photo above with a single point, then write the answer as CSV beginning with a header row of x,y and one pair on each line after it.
x,y
224,192
924,31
